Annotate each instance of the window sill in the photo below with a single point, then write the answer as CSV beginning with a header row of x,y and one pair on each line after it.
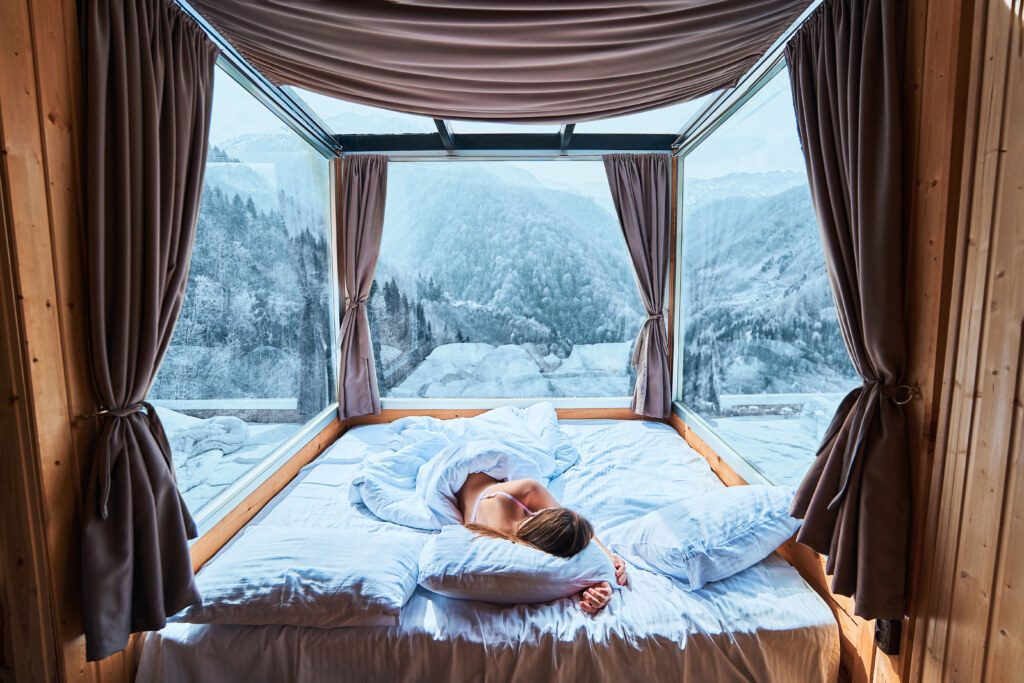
x,y
750,473
486,403
217,508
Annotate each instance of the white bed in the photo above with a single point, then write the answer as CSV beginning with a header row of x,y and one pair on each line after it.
x,y
763,624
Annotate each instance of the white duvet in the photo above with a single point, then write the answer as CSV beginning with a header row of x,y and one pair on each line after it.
x,y
413,480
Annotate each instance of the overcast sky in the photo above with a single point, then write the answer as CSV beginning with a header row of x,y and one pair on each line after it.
x,y
761,137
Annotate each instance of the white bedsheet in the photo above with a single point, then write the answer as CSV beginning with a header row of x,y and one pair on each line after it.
x,y
763,624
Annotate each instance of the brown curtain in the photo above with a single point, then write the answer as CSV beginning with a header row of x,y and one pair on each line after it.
x,y
364,184
148,87
541,61
855,501
641,186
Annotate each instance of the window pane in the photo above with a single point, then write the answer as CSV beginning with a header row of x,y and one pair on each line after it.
x,y
251,359
763,358
670,119
502,279
349,118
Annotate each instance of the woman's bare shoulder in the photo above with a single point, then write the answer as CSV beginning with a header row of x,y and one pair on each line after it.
x,y
518,487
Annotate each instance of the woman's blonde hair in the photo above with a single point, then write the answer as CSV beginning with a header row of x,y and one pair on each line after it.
x,y
558,531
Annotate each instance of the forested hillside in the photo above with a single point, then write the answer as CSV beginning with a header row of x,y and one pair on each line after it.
x,y
255,319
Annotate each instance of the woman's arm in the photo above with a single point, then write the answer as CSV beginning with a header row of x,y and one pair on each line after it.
x,y
620,566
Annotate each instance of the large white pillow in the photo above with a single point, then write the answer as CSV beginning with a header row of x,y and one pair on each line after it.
x,y
316,577
709,536
460,564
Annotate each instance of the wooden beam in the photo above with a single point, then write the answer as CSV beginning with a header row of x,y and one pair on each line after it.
x,y
444,129
390,415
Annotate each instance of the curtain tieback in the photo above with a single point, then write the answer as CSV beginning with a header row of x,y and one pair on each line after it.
x,y
899,394
108,459
354,303
643,339
639,359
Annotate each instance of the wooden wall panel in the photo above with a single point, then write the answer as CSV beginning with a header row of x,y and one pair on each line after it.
x,y
40,95
938,60
971,619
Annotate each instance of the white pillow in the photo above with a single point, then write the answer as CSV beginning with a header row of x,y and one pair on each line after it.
x,y
316,577
460,564
709,536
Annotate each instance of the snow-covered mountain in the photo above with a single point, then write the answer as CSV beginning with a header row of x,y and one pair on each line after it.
x,y
511,259
759,310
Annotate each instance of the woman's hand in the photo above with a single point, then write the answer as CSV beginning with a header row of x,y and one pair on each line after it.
x,y
595,598
620,571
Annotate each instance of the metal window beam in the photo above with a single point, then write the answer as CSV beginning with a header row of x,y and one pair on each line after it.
x,y
444,130
725,104
497,144
285,104
565,135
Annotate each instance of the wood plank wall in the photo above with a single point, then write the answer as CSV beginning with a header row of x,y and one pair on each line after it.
x,y
972,611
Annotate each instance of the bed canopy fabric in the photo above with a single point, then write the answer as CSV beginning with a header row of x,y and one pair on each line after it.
x,y
548,61
149,85
845,70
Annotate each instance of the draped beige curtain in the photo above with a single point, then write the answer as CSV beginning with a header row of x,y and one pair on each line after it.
x,y
541,61
845,71
641,186
148,93
364,182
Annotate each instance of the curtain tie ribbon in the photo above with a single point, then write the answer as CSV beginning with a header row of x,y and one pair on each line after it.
x,y
156,428
351,303
639,359
899,394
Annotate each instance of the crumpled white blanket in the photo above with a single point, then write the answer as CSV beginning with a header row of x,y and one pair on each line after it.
x,y
413,481
226,434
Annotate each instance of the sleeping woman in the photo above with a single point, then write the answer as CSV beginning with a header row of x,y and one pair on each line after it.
x,y
523,511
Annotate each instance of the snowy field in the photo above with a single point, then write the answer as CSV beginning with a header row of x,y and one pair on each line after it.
x,y
210,455
511,371
782,447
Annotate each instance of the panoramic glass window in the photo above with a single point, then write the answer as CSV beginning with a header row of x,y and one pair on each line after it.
x,y
763,358
349,118
251,359
502,280
670,119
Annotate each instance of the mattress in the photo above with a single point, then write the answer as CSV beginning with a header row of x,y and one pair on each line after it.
x,y
762,624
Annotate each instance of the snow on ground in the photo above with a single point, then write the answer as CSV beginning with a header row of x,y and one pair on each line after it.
x,y
781,447
202,476
511,371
